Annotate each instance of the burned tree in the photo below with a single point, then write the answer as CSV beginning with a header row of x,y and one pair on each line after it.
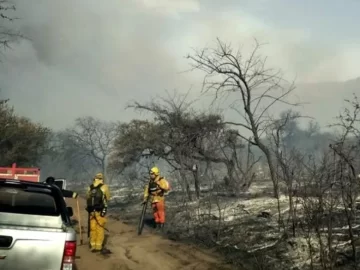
x,y
257,89
132,142
90,140
179,135
241,161
328,194
288,160
346,150
188,140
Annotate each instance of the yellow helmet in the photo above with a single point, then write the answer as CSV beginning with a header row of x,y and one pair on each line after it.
x,y
99,176
155,170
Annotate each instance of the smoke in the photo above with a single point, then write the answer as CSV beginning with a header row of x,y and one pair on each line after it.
x,y
86,57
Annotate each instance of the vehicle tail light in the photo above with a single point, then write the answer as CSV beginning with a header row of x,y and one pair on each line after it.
x,y
69,255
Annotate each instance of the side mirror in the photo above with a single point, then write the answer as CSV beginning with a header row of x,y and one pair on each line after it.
x,y
70,211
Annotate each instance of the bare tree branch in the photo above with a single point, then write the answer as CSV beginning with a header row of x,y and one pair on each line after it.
x,y
257,87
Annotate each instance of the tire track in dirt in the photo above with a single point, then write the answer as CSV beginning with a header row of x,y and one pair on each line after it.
x,y
148,251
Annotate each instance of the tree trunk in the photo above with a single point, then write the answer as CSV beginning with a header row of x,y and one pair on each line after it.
x,y
108,180
196,184
188,190
186,183
292,212
272,168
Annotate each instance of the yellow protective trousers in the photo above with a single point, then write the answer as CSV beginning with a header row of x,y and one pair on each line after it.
x,y
97,230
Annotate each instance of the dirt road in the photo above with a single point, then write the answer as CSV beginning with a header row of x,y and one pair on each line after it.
x,y
148,251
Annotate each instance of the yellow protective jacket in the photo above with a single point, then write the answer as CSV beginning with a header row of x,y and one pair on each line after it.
x,y
158,194
104,188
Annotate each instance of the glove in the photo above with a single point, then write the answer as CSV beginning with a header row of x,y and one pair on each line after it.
x,y
103,212
75,195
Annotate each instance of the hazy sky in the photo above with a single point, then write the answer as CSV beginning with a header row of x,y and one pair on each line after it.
x,y
88,57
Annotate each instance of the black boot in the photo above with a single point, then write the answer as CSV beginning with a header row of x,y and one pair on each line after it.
x,y
161,227
105,251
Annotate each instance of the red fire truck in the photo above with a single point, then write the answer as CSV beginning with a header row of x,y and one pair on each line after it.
x,y
26,174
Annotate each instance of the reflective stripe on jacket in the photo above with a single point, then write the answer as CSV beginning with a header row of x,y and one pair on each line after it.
x,y
158,194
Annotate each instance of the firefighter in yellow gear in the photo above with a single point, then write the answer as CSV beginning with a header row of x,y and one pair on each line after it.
x,y
157,188
98,195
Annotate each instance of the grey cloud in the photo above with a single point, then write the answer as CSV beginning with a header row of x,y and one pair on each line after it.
x,y
85,58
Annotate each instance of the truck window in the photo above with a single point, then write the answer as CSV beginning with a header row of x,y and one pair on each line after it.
x,y
60,183
19,201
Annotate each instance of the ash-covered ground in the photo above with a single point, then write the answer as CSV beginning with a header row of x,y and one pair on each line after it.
x,y
245,229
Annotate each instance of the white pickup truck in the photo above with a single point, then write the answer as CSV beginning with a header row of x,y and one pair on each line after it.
x,y
35,227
